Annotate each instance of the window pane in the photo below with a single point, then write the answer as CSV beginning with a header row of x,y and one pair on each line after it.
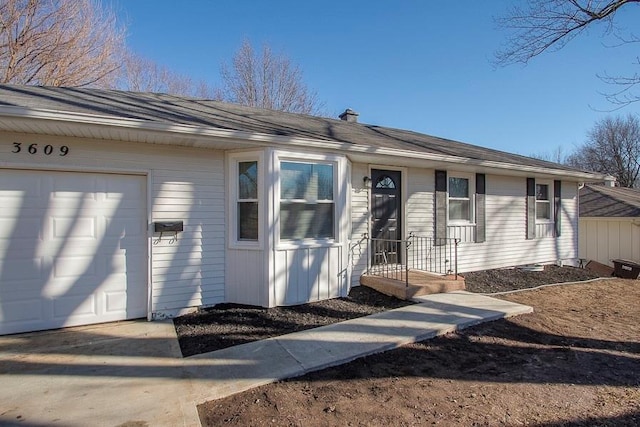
x,y
325,181
304,181
247,221
248,180
459,210
306,221
458,187
385,182
542,192
543,210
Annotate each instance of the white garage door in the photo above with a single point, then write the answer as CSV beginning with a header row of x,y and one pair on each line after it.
x,y
72,249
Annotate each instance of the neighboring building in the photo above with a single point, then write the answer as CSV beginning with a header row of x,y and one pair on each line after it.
x,y
609,223
120,205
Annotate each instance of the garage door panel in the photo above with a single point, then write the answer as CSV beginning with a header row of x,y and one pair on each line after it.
x,y
72,249
74,307
25,228
75,266
74,228
115,302
23,311
23,272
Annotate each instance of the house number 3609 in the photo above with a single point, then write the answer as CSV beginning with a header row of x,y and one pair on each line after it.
x,y
47,150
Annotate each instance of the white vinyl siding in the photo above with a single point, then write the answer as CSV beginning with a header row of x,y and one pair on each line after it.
x,y
419,217
195,276
605,239
506,244
309,274
247,280
419,212
359,221
185,184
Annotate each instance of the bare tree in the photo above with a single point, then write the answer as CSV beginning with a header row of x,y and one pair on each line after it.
x,y
140,74
612,147
557,155
59,43
266,80
548,25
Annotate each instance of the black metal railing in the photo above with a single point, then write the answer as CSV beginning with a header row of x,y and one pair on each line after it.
x,y
385,258
435,255
393,259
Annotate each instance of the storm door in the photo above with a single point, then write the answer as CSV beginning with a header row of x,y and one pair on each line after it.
x,y
386,230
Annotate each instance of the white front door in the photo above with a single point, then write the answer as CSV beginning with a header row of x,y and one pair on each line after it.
x,y
73,249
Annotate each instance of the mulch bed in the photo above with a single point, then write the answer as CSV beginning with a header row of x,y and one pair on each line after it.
x,y
509,279
227,325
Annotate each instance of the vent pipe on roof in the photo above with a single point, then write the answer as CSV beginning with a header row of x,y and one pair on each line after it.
x,y
609,181
349,116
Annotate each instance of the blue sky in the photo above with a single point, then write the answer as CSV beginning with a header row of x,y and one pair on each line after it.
x,y
412,64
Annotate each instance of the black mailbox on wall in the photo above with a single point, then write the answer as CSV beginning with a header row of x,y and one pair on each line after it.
x,y
168,226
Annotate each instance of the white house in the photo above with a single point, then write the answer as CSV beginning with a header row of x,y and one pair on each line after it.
x,y
120,205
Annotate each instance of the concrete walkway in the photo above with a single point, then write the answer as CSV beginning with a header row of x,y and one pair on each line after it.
x,y
131,374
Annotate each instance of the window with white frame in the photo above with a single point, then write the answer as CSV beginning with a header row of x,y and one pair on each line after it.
x,y
543,203
307,207
460,200
247,201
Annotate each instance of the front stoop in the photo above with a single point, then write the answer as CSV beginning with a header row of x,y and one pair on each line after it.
x,y
420,283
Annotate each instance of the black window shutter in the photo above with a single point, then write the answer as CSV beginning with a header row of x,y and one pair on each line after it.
x,y
480,208
557,206
441,206
441,181
531,208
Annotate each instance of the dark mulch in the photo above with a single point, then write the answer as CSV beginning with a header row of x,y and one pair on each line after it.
x,y
509,279
226,325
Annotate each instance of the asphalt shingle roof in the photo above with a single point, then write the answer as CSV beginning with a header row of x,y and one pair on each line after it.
x,y
602,201
169,109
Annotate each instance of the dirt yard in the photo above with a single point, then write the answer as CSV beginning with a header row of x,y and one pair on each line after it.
x,y
574,362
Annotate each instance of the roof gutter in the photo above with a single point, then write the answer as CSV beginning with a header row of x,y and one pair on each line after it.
x,y
205,133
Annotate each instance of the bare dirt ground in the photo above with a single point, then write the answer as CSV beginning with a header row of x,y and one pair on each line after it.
x,y
575,361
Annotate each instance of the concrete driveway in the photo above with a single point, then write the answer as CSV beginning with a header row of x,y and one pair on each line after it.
x,y
113,374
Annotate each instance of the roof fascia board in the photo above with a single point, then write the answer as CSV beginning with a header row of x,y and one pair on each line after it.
x,y
203,132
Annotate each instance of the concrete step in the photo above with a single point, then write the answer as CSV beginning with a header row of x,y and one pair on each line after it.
x,y
420,283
